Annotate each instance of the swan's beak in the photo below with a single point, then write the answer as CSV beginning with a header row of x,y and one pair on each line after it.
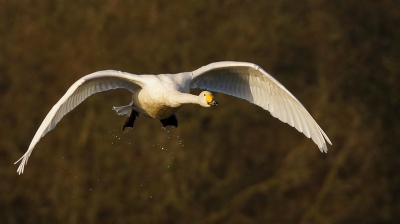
x,y
213,102
210,99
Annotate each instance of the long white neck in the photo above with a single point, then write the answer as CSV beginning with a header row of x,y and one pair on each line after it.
x,y
184,98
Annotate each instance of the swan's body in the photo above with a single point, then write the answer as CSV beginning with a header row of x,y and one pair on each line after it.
x,y
160,97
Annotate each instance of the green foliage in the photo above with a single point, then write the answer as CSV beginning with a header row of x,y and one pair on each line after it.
x,y
229,164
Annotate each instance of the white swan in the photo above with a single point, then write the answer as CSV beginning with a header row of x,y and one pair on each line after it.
x,y
160,96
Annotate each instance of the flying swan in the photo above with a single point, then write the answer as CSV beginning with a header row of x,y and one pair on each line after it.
x,y
160,97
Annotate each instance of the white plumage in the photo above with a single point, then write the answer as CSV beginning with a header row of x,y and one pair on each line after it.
x,y
160,96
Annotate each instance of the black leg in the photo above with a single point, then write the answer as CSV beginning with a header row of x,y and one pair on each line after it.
x,y
130,120
170,121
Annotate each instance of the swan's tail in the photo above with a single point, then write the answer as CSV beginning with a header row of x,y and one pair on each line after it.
x,y
124,110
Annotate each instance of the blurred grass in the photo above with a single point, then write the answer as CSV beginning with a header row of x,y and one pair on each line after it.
x,y
230,164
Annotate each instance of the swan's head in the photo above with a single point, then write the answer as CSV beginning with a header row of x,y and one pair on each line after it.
x,y
206,99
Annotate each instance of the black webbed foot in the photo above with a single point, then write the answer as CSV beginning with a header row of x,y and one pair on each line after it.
x,y
170,121
130,120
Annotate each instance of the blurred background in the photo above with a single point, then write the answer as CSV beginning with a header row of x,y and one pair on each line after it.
x,y
234,163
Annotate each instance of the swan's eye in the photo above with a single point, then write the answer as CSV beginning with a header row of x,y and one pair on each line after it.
x,y
204,94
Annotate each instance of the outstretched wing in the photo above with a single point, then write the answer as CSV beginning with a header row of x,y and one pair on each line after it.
x,y
78,92
250,82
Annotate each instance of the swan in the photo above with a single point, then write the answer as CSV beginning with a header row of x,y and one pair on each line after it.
x,y
160,97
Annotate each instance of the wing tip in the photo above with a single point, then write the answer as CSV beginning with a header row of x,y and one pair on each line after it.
x,y
325,139
324,148
24,161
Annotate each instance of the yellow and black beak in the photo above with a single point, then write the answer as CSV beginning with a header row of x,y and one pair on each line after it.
x,y
213,102
210,100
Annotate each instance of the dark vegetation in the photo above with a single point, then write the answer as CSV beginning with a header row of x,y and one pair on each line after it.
x,y
230,164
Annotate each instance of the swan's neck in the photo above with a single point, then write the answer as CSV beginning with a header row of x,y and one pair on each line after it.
x,y
177,99
185,98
